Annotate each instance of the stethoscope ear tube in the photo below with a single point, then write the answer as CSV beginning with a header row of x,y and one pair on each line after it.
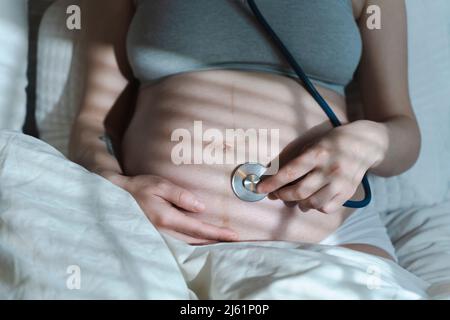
x,y
367,196
314,93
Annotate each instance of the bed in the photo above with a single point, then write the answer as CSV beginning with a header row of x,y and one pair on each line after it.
x,y
68,233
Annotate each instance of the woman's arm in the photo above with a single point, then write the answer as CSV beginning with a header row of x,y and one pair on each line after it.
x,y
383,80
387,142
105,25
108,79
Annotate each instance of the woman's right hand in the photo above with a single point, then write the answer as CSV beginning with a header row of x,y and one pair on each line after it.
x,y
164,203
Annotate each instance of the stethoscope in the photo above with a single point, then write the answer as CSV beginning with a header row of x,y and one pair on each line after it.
x,y
246,177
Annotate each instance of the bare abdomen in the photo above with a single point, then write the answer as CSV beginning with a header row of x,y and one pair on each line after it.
x,y
222,101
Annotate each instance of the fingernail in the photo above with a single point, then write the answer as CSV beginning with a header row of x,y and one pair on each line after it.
x,y
199,206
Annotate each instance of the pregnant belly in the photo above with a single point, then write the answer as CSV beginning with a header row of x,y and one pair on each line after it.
x,y
194,129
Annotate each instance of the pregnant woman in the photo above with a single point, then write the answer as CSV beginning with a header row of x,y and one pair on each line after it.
x,y
209,63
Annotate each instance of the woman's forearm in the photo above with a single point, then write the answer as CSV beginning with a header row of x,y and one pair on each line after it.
x,y
396,143
107,74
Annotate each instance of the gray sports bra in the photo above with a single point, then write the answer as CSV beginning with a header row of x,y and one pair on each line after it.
x,y
168,37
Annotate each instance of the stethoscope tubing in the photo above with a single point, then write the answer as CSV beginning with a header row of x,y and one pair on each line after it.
x,y
314,93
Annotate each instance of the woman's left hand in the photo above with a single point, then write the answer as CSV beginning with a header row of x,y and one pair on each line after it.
x,y
328,172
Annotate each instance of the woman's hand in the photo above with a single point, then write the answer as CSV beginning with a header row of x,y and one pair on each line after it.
x,y
328,172
164,203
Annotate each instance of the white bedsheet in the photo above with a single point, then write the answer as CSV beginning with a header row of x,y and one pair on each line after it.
x,y
54,214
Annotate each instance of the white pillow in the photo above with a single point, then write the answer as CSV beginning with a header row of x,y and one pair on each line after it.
x,y
13,63
59,76
422,242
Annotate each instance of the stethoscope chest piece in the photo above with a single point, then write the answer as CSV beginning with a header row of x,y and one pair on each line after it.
x,y
245,179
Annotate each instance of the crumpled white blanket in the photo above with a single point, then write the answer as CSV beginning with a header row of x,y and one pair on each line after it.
x,y
66,233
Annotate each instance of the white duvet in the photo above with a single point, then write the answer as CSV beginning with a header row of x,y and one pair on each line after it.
x,y
58,221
